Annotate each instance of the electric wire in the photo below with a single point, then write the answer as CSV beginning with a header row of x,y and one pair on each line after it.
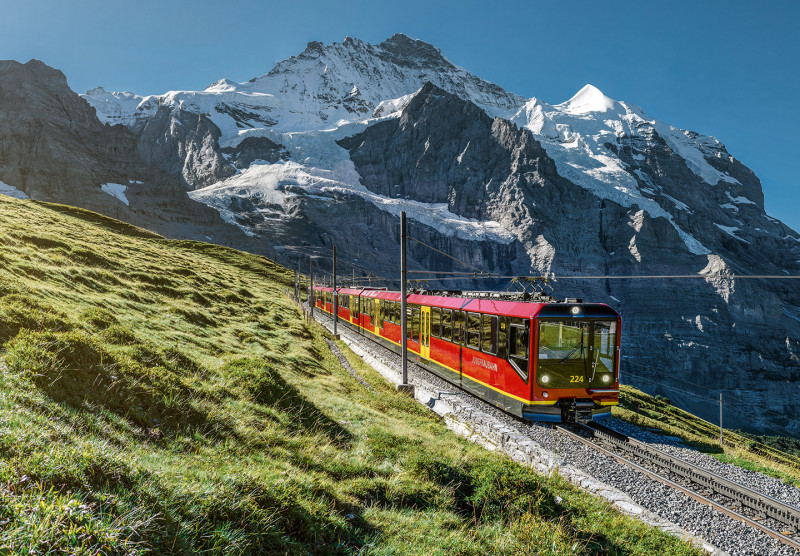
x,y
446,255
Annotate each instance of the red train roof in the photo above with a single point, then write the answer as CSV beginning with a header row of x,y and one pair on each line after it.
x,y
521,309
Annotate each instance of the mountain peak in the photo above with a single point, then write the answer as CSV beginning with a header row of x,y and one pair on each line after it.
x,y
406,51
588,99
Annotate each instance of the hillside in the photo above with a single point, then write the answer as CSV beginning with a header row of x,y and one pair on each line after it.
x,y
166,397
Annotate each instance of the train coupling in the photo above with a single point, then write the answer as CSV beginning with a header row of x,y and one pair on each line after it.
x,y
576,411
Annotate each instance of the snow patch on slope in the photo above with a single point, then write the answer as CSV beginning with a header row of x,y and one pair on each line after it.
x,y
116,190
11,191
679,141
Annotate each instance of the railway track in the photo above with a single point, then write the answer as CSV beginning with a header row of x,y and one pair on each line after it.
x,y
738,528
772,517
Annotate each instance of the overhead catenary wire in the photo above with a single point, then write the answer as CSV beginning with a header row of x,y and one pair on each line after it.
x,y
447,255
556,278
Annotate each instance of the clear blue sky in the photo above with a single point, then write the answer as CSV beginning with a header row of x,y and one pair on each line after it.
x,y
725,68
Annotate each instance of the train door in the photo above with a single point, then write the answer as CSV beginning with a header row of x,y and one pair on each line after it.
x,y
425,333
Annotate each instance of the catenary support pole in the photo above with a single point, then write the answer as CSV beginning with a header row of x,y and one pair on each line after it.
x,y
335,297
404,386
720,418
311,285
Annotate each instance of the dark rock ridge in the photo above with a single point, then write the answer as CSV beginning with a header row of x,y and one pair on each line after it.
x,y
185,144
252,149
53,148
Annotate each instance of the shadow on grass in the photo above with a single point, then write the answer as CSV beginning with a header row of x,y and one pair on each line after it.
x,y
72,369
262,383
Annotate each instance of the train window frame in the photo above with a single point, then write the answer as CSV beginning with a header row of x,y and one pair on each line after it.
x,y
460,325
447,325
514,327
473,330
436,322
493,338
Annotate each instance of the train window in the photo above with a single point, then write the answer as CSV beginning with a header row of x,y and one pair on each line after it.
x,y
458,326
415,324
518,341
447,325
473,330
436,322
604,352
489,333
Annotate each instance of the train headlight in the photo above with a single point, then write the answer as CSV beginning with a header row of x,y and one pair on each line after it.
x,y
575,309
545,395
545,379
606,378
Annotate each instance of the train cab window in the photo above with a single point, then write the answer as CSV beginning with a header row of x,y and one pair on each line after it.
x,y
458,326
473,330
604,353
436,322
447,325
518,341
489,334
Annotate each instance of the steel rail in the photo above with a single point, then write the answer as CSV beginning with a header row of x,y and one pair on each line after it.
x,y
617,440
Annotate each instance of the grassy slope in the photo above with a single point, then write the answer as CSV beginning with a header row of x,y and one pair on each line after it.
x,y
164,396
747,451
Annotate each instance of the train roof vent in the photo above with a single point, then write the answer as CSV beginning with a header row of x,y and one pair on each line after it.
x,y
573,300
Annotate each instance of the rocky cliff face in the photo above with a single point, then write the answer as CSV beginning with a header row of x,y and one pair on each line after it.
x,y
54,148
330,145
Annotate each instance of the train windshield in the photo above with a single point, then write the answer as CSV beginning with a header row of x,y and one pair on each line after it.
x,y
576,354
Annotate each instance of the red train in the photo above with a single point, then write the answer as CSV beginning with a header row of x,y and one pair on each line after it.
x,y
541,361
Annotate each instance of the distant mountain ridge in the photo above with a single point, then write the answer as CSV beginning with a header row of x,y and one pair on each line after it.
x,y
330,145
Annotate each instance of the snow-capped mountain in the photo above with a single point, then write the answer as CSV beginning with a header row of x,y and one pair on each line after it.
x,y
330,145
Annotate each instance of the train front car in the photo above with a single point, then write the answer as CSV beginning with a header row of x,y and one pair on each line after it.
x,y
576,362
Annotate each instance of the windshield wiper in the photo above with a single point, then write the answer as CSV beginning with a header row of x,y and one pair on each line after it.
x,y
571,352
